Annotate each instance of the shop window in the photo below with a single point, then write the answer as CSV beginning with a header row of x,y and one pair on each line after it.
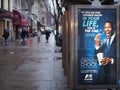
x,y
1,3
8,5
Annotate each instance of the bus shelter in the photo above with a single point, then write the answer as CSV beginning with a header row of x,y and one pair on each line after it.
x,y
85,64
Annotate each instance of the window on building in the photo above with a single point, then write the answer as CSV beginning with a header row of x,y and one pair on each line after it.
x,y
23,3
8,24
19,3
1,3
8,5
4,24
15,3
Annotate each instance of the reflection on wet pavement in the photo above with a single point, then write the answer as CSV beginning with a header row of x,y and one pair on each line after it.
x,y
32,67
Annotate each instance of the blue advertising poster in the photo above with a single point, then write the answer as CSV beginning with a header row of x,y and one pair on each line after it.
x,y
97,46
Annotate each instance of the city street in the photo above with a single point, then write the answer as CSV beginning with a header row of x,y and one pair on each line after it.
x,y
32,67
82,53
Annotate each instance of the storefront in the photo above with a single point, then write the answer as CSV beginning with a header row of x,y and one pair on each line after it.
x,y
19,21
5,21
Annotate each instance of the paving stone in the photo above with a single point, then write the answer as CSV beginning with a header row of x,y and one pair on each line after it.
x,y
32,67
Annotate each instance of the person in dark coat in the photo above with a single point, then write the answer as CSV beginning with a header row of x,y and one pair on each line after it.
x,y
6,35
24,35
47,33
106,50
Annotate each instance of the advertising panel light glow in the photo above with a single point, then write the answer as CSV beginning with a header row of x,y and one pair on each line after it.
x,y
97,62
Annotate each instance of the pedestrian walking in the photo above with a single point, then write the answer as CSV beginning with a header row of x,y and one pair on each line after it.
x,y
47,33
5,36
24,35
38,35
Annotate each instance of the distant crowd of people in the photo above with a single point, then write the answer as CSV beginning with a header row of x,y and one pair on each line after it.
x,y
25,34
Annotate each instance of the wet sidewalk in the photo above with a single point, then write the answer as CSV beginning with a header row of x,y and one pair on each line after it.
x,y
32,67
35,66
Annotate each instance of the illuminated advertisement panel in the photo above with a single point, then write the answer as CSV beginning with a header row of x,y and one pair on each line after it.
x,y
97,62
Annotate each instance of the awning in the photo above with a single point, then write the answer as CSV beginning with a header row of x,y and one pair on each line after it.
x,y
5,14
19,19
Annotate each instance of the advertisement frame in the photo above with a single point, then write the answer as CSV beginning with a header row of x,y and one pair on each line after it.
x,y
108,7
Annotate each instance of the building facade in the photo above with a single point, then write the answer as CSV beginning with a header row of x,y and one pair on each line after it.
x,y
20,16
39,9
6,7
15,14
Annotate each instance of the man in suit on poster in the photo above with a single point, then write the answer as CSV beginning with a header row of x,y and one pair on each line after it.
x,y
105,52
